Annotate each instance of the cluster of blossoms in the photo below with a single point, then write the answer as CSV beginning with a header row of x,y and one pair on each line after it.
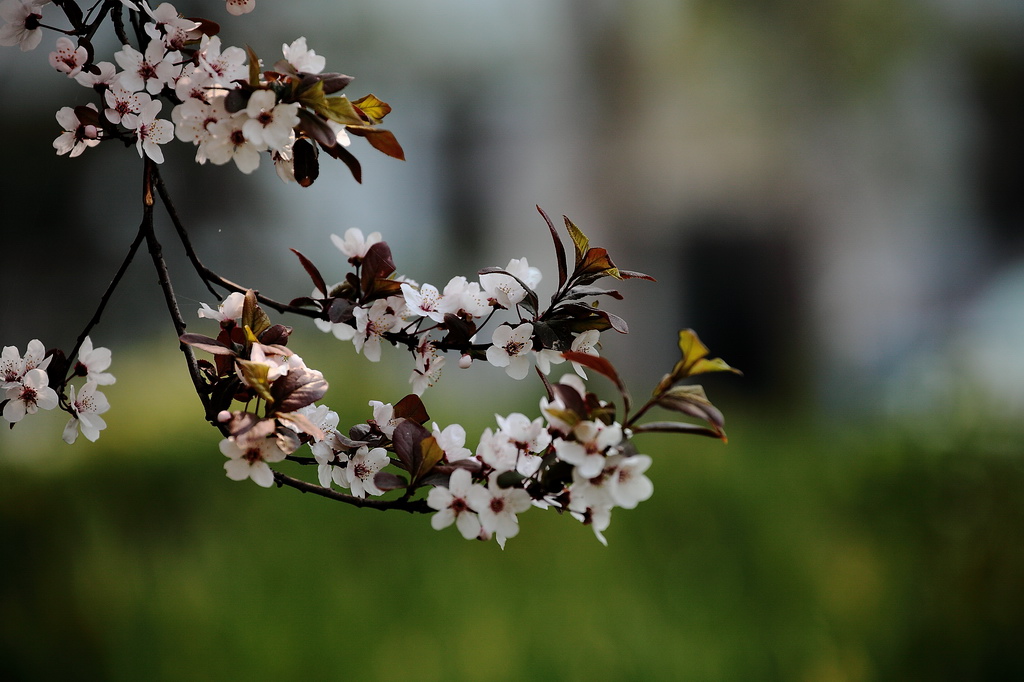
x,y
222,99
30,384
577,457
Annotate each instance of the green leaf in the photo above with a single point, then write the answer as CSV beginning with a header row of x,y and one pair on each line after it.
x,y
253,316
579,240
254,67
340,110
374,109
695,358
254,375
430,454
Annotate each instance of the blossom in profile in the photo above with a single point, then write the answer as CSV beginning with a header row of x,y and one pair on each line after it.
x,y
92,363
22,28
87,406
302,58
506,289
585,343
354,245
77,136
229,310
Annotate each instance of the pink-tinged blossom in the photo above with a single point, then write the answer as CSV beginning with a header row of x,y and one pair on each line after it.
x,y
170,28
106,75
195,83
592,442
240,7
371,325
354,245
229,310
511,349
32,394
506,290
92,363
362,467
453,441
22,28
497,507
511,447
302,58
384,418
326,420
88,405
452,505
252,462
77,136
150,71
585,343
427,371
223,67
68,58
423,302
464,298
13,366
193,120
228,142
270,123
150,131
627,484
121,102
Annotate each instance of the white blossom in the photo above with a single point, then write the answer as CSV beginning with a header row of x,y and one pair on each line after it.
x,y
302,58
68,58
452,505
253,462
497,507
354,245
362,467
22,28
88,405
150,131
504,289
77,136
32,394
92,363
511,349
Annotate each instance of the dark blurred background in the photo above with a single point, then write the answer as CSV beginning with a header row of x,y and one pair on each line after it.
x,y
830,193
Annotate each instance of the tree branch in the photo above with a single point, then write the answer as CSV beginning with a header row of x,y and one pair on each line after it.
x,y
209,276
411,506
163,276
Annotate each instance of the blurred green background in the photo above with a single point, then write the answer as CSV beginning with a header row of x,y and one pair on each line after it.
x,y
832,195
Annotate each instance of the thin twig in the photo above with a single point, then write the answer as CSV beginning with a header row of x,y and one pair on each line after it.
x,y
106,297
411,506
209,276
163,276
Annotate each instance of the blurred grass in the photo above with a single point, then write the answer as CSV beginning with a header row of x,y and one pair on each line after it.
x,y
796,552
